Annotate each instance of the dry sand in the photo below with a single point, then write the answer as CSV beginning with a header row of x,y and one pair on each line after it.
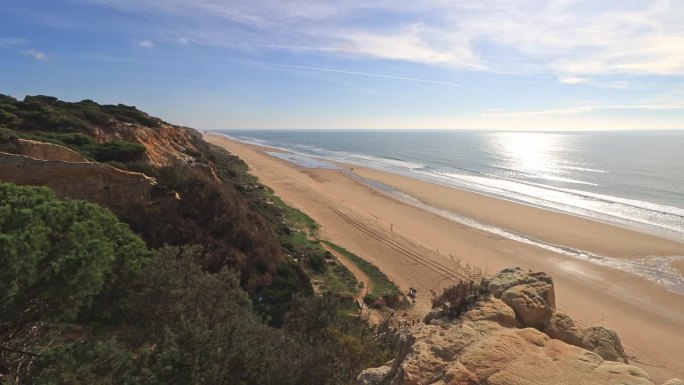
x,y
416,248
678,264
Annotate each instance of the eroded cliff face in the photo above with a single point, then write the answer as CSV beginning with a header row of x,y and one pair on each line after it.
x,y
166,144
95,182
512,336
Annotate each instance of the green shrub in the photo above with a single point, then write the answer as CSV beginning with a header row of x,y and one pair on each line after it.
x,y
142,167
118,151
372,300
457,299
274,301
317,263
130,114
8,140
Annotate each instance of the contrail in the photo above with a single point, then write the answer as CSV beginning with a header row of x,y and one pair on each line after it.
x,y
322,69
368,74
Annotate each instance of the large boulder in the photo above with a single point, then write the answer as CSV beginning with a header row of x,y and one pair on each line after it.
x,y
514,276
562,327
527,356
596,339
506,278
603,342
373,376
530,295
493,310
531,308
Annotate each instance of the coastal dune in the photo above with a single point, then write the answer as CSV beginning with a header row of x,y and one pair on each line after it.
x,y
421,249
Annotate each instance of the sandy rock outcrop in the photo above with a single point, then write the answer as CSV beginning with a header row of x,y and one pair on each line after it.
x,y
530,295
508,338
165,144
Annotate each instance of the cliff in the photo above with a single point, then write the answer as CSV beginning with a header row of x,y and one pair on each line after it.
x,y
165,143
141,167
512,335
95,182
85,126
45,141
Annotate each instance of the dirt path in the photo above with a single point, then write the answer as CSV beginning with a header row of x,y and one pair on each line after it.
x,y
358,273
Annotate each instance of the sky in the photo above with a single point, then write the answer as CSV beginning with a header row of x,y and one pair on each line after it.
x,y
357,64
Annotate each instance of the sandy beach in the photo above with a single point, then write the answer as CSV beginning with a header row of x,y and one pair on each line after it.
x,y
418,248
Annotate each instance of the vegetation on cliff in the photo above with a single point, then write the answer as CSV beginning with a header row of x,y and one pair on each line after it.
x,y
47,113
383,289
206,281
48,119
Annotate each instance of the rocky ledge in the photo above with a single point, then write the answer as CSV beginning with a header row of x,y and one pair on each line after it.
x,y
506,331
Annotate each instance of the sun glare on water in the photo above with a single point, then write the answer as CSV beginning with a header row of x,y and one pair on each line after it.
x,y
527,152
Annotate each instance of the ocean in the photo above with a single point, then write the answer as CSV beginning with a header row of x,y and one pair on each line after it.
x,y
633,179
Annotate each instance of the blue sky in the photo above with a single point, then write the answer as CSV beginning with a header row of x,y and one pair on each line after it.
x,y
497,64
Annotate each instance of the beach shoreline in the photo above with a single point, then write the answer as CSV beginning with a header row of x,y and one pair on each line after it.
x,y
613,191
418,248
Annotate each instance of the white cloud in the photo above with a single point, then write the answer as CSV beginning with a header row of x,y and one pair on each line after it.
x,y
183,40
571,80
415,43
38,55
146,44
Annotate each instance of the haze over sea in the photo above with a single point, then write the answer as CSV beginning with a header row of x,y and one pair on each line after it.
x,y
631,178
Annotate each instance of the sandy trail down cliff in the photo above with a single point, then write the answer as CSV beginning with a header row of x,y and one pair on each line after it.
x,y
415,248
358,273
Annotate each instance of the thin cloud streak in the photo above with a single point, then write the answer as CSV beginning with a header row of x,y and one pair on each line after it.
x,y
13,41
368,74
